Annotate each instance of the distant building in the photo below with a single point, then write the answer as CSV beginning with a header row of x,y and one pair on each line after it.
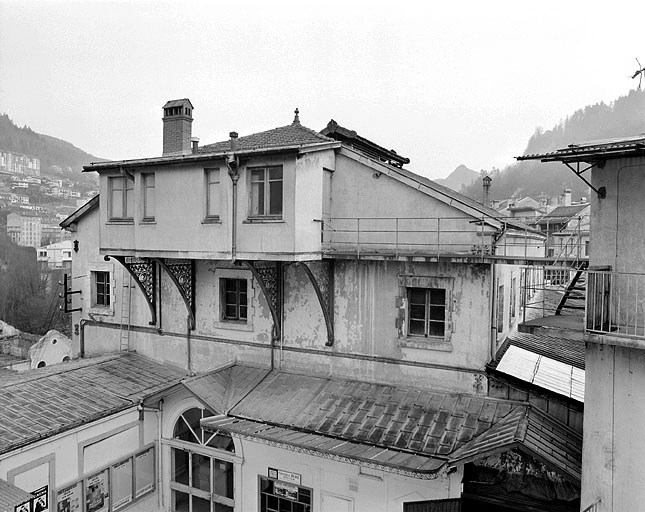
x,y
24,229
15,163
55,256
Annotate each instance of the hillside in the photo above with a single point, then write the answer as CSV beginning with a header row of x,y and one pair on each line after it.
x,y
462,176
50,150
623,117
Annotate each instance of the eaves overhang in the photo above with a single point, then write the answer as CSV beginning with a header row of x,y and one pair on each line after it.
x,y
205,157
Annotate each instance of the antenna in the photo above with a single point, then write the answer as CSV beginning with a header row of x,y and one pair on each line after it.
x,y
639,73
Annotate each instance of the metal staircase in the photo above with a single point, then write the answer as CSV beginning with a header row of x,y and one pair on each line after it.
x,y
574,295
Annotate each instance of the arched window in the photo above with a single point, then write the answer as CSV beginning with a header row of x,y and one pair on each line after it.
x,y
202,478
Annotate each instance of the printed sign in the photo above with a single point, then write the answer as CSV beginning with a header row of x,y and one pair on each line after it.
x,y
285,490
69,498
285,476
41,499
24,507
145,472
97,493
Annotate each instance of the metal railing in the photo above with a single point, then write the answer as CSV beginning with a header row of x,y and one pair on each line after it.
x,y
444,236
615,303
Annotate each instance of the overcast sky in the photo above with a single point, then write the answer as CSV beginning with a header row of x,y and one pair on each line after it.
x,y
442,83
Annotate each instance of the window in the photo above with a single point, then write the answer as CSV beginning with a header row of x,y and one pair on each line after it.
x,y
101,289
212,194
121,198
427,311
266,192
201,478
148,183
277,496
234,299
500,309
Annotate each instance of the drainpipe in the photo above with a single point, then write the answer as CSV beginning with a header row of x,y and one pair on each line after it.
x,y
188,342
82,338
233,164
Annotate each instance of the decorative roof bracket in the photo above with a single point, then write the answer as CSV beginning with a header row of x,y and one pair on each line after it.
x,y
269,277
144,273
324,288
182,274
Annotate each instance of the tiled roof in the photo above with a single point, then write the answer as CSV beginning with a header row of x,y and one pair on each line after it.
x,y
291,135
40,403
222,389
10,496
411,427
555,444
562,213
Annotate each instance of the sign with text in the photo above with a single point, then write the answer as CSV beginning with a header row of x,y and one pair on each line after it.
x,y
285,476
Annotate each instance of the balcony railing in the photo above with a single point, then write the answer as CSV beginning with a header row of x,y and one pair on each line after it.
x,y
615,303
440,236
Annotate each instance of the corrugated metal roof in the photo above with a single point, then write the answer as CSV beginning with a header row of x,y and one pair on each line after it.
x,y
594,150
10,496
40,403
566,350
543,371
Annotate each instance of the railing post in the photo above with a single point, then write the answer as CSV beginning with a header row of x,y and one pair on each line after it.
x,y
525,242
396,233
482,237
438,235
358,237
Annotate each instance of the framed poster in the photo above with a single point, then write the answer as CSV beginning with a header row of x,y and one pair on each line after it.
x,y
121,484
97,492
41,499
145,472
69,498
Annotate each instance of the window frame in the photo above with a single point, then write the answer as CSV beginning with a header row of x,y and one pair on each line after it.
x,y
224,292
210,198
127,187
267,187
106,284
428,306
146,189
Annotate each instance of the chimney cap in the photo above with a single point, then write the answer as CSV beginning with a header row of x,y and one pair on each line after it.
x,y
178,103
194,139
233,135
296,118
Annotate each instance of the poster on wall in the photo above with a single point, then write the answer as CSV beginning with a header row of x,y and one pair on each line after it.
x,y
24,507
145,472
121,484
69,498
97,492
41,499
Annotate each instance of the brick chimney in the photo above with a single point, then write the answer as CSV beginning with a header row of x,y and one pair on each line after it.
x,y
177,127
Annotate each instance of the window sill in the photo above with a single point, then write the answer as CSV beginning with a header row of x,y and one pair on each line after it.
x,y
211,220
120,221
101,310
233,325
263,220
148,221
429,343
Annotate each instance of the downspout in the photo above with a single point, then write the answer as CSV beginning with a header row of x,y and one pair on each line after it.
x,y
82,337
233,164
493,315
188,343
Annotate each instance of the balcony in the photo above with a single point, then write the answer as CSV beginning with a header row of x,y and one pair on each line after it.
x,y
458,238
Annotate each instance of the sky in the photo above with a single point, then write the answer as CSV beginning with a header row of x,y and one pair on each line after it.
x,y
442,83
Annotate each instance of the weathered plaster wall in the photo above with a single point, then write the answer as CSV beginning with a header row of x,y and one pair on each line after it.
x,y
613,419
379,491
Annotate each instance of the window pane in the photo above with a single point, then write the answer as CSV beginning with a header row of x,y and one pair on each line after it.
x,y
149,198
179,466
257,198
201,471
417,296
418,312
417,327
436,328
212,194
275,173
222,508
180,501
223,478
437,296
201,505
221,442
437,313
275,198
116,198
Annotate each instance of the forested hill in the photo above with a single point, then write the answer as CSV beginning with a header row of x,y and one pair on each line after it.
x,y
623,117
49,150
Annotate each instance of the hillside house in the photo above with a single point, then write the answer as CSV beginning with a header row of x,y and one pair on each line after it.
x,y
334,313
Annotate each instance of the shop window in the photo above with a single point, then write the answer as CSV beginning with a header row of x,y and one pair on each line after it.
x,y
277,496
266,192
201,478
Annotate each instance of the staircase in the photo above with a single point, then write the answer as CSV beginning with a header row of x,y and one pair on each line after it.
x,y
574,295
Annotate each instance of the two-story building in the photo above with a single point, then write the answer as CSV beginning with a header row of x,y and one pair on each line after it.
x,y
336,313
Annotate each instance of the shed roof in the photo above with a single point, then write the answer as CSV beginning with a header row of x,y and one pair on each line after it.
x,y
593,151
414,430
39,403
11,496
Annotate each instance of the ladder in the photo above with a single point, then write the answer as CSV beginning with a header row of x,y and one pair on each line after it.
x,y
126,302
